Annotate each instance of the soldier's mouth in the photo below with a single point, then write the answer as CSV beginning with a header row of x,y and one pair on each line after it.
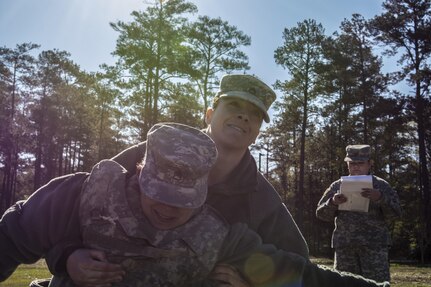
x,y
163,217
237,128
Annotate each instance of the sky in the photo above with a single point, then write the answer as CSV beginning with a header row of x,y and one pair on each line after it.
x,y
81,27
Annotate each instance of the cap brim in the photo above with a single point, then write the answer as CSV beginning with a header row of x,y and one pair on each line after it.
x,y
249,98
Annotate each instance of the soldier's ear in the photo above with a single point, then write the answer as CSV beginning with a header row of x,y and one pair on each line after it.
x,y
208,115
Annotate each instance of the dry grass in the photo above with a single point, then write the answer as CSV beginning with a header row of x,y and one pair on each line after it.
x,y
410,275
402,275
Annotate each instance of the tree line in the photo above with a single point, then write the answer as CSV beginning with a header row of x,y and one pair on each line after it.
x,y
56,118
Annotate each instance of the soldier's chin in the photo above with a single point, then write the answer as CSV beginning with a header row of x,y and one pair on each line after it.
x,y
162,225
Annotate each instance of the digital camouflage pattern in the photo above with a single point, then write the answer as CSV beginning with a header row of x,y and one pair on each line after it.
x,y
112,221
176,165
361,229
370,262
248,88
357,153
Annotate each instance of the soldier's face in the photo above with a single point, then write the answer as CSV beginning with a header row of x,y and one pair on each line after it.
x,y
234,123
163,216
359,167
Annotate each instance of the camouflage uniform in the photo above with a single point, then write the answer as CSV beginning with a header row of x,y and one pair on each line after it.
x,y
174,172
112,221
361,240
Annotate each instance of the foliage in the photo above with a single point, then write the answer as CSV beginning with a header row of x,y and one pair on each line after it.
x,y
151,50
215,46
15,67
301,54
404,27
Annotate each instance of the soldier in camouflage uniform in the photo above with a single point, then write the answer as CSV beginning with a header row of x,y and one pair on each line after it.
x,y
156,226
361,239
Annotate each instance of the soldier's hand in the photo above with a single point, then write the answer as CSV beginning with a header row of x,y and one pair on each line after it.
x,y
338,199
371,193
228,276
90,268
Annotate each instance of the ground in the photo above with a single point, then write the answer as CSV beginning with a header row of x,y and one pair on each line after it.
x,y
403,274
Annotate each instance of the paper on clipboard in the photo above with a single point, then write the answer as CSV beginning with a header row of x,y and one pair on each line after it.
x,y
351,187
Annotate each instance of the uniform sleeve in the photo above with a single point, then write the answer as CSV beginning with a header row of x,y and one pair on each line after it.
x,y
264,265
10,255
389,202
326,210
130,157
274,223
280,229
32,229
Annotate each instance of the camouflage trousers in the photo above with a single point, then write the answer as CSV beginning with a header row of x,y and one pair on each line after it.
x,y
369,262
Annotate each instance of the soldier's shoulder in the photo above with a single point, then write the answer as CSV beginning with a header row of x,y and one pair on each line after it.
x,y
265,193
334,186
380,181
108,166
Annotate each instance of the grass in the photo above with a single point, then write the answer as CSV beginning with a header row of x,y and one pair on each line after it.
x,y
403,275
410,275
27,273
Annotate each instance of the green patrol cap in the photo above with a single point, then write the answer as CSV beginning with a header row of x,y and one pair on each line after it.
x,y
248,88
176,165
357,153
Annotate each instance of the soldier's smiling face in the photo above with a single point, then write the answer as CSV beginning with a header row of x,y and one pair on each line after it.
x,y
163,216
234,123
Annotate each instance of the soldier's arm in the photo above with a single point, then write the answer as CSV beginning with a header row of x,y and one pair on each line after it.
x,y
130,157
273,222
389,202
31,228
326,210
11,254
280,229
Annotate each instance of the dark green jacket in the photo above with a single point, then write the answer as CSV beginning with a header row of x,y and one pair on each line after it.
x,y
42,226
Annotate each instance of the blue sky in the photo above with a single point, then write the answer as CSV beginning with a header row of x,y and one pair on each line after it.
x,y
81,27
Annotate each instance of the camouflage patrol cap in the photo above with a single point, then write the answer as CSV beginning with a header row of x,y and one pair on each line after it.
x,y
357,153
248,88
176,165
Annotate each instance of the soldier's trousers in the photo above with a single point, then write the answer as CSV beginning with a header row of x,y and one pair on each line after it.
x,y
370,262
